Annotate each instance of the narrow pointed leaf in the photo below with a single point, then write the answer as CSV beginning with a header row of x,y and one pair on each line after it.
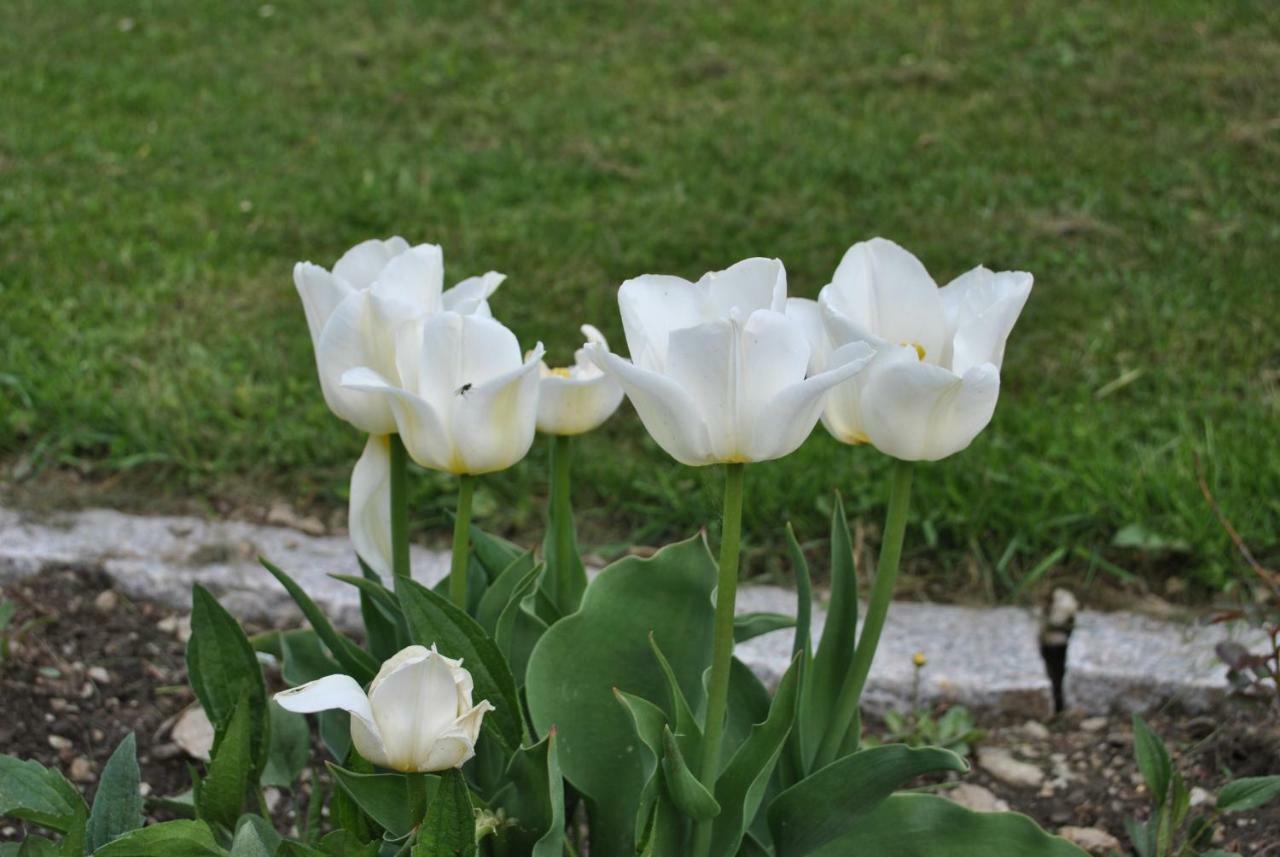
x,y
1153,760
499,594
117,806
449,828
747,626
166,839
254,837
804,593
687,728
689,795
358,663
222,793
32,792
535,801
1248,793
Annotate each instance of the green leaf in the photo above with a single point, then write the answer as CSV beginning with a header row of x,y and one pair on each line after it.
x,y
582,658
255,837
493,552
222,668
689,795
1153,760
386,798
518,630
356,662
117,806
166,839
304,660
33,846
741,787
804,593
32,792
449,828
434,619
749,625
534,801
687,728
222,793
499,594
649,722
834,657
344,843
1248,793
289,748
827,804
918,825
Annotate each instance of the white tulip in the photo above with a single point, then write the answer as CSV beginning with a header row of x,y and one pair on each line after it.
x,y
718,371
369,506
354,311
934,381
579,398
464,402
417,716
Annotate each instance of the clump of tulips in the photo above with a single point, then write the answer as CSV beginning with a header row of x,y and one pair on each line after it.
x,y
520,708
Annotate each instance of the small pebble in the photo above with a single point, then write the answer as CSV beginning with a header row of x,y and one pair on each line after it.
x,y
107,601
100,675
1093,724
82,770
57,742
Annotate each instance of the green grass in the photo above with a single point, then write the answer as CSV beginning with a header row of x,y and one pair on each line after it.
x,y
163,164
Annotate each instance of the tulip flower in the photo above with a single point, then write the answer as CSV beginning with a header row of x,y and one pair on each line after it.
x,y
355,311
579,398
465,402
417,716
718,371
934,382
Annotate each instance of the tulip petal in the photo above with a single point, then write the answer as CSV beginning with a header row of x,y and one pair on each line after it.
x,y
574,405
808,314
410,285
669,414
981,307
918,412
747,286
344,693
493,421
788,418
321,292
414,702
369,510
462,351
417,422
652,306
705,362
360,265
350,339
883,289
470,296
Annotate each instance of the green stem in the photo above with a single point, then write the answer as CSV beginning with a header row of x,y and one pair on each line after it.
x,y
895,527
399,507
416,791
722,645
562,585
461,541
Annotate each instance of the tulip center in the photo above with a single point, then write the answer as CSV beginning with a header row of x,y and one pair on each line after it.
x,y
560,372
920,352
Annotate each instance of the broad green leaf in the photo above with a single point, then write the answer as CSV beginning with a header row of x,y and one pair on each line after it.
x,y
747,626
356,662
834,655
1153,760
33,846
1248,793
749,703
534,801
741,787
449,828
166,839
582,658
388,799
222,668
254,837
32,792
344,843
289,748
434,620
499,594
690,796
222,793
827,804
117,806
181,805
918,825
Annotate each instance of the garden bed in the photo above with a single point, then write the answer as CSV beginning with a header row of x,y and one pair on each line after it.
x,y
88,666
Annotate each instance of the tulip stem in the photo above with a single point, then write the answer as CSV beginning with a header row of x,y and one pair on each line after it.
x,y
722,645
567,581
399,508
895,527
461,541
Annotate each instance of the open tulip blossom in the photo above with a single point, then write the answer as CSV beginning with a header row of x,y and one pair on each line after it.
x,y
934,382
417,716
579,398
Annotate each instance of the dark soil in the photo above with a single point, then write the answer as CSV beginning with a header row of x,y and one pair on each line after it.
x,y
57,706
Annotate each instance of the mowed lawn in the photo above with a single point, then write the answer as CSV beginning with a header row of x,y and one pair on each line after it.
x,y
163,164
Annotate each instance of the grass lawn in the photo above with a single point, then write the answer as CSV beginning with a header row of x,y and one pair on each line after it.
x,y
163,164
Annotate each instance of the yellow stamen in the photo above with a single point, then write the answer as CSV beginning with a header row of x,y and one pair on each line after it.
x,y
920,352
560,372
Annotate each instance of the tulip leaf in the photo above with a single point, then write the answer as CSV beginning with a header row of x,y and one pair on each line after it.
x,y
534,801
388,799
919,825
747,626
117,805
690,796
1153,760
33,846
1248,793
433,619
166,839
254,837
741,787
834,657
648,721
289,748
449,828
356,662
499,594
494,553
687,728
518,629
827,803
222,793
582,658
804,593
304,660
31,792
222,669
